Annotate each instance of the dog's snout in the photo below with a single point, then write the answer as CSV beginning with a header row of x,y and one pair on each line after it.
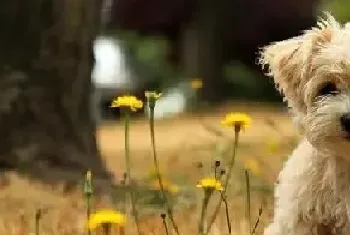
x,y
345,122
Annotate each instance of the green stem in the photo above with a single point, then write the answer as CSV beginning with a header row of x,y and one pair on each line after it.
x,y
228,177
203,212
37,228
227,213
38,215
124,197
248,200
88,211
232,162
37,224
106,227
165,227
128,170
156,166
257,221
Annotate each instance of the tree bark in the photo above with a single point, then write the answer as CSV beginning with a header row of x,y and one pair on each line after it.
x,y
203,44
45,85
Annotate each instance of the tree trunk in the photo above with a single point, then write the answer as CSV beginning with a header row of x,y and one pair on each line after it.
x,y
45,85
209,48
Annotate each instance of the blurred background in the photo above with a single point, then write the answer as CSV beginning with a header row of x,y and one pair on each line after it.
x,y
201,54
164,45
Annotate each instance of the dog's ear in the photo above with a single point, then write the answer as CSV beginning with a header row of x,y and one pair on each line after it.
x,y
289,62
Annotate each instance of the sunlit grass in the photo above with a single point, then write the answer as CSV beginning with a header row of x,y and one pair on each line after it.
x,y
179,166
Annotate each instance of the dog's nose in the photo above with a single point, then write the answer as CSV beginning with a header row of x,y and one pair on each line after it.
x,y
345,122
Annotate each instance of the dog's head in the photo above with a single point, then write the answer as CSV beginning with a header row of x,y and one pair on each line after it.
x,y
312,71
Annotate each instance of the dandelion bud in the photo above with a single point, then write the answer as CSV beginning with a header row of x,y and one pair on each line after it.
x,y
87,189
38,214
152,97
88,176
88,184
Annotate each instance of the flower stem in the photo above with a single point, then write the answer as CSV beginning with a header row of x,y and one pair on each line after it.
x,y
37,221
123,183
106,227
257,220
247,180
225,186
203,212
232,162
128,170
156,166
88,210
88,191
121,230
229,227
165,226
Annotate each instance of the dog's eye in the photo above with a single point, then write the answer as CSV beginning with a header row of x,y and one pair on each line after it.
x,y
328,88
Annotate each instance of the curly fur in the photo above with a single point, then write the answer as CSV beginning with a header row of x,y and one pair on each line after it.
x,y
313,193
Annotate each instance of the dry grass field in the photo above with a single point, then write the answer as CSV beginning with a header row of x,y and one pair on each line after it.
x,y
187,148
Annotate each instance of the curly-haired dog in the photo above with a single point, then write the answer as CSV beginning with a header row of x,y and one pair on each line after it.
x,y
312,71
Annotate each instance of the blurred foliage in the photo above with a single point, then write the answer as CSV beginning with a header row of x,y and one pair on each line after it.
x,y
147,56
246,83
240,75
340,9
148,59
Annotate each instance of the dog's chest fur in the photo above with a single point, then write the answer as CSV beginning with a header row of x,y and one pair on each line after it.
x,y
318,191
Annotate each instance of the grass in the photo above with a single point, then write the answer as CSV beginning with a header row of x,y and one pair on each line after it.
x,y
187,148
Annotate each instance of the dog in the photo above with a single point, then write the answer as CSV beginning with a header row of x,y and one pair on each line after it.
x,y
312,72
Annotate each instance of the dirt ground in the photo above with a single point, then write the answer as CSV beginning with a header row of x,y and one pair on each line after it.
x,y
182,144
184,135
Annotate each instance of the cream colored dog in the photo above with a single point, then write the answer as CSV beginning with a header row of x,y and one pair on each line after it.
x,y
312,71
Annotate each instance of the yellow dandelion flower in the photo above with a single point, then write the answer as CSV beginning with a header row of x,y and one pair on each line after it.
x,y
196,83
240,120
210,183
253,166
127,102
106,217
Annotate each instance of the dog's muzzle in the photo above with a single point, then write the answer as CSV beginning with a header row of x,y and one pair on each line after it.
x,y
345,123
